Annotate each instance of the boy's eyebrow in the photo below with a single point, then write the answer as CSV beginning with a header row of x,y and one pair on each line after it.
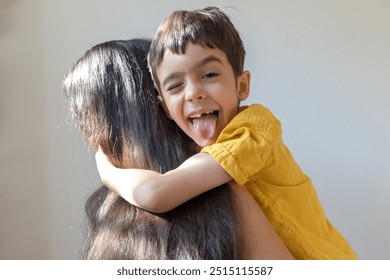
x,y
204,61
208,59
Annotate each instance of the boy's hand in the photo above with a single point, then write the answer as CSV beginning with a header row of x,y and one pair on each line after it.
x,y
134,185
103,165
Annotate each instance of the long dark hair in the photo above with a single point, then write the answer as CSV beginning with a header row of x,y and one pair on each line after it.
x,y
113,100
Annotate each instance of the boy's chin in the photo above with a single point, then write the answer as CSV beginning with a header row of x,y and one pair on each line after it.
x,y
205,142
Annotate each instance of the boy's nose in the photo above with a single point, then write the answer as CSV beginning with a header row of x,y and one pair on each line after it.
x,y
195,93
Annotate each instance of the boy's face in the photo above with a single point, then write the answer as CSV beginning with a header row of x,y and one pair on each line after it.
x,y
200,91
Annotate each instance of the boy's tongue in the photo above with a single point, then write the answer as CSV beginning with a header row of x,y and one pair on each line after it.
x,y
205,125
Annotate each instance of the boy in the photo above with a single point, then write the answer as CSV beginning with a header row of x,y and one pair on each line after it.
x,y
196,60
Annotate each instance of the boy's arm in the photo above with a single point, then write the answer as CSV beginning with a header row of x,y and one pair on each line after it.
x,y
156,192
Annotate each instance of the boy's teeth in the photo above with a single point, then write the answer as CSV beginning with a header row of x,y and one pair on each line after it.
x,y
199,115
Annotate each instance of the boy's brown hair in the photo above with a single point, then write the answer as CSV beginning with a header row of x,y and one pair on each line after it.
x,y
209,27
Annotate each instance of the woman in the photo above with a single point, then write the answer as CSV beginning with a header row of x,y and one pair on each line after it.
x,y
112,98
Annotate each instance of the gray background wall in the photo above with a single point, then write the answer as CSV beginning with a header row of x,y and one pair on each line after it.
x,y
322,66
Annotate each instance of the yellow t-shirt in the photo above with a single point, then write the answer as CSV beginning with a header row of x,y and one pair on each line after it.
x,y
252,151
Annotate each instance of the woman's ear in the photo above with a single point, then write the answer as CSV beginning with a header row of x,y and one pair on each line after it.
x,y
243,85
161,99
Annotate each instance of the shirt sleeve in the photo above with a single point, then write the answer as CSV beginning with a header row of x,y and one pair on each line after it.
x,y
245,146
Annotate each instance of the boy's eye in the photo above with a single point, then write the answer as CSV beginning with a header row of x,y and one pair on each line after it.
x,y
173,86
210,75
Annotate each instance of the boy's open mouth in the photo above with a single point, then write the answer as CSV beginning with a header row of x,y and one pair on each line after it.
x,y
205,124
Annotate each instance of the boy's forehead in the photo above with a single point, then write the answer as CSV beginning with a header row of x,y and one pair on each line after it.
x,y
194,56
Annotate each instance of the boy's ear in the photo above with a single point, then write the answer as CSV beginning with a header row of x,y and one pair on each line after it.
x,y
243,85
161,99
